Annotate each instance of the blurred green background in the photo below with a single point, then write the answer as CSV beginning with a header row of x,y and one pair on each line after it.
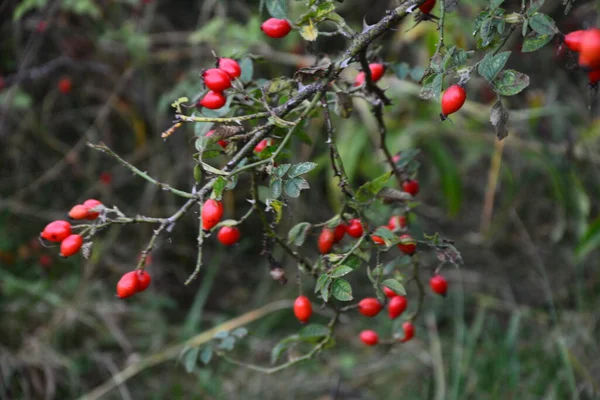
x,y
522,317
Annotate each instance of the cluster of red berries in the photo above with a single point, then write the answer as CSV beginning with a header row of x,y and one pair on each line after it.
x,y
587,44
212,211
133,282
217,80
60,231
276,28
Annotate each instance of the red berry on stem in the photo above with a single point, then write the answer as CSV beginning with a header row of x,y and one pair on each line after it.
x,y
144,280
452,100
408,245
355,228
302,309
216,79
92,204
79,212
212,211
212,100
56,231
396,306
369,307
411,186
427,6
377,71
65,85
263,144
128,285
589,56
70,245
276,28
573,40
439,284
228,235
397,222
339,232
377,239
222,143
326,239
409,331
389,293
369,337
230,66
594,77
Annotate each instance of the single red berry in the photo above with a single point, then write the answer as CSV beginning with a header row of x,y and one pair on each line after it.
x,y
92,204
276,28
411,186
144,280
79,212
228,235
106,178
56,231
65,85
452,100
427,6
326,239
231,67
128,285
396,306
302,309
573,40
263,144
397,222
408,245
212,211
222,143
377,71
439,284
70,245
589,56
377,239
369,307
355,228
369,337
212,100
594,77
45,261
409,331
339,232
216,79
389,293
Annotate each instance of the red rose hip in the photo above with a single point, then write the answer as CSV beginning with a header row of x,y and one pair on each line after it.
x,y
92,204
409,331
573,40
228,235
439,284
79,212
212,211
408,246
339,232
396,306
276,28
56,231
128,285
216,79
397,222
222,143
377,71
411,186
589,53
302,309
144,280
355,228
231,67
369,307
369,337
452,100
70,245
326,239
427,6
389,293
212,100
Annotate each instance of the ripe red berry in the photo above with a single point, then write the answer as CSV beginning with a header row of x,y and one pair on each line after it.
x,y
439,284
396,306
228,235
409,331
573,40
79,212
263,144
212,100
377,71
369,337
589,56
594,77
216,79
65,85
231,67
128,285
355,228
389,293
326,239
302,309
377,239
222,143
212,211
452,100
411,186
276,28
339,232
369,307
408,246
56,231
92,204
397,222
70,245
427,6
144,280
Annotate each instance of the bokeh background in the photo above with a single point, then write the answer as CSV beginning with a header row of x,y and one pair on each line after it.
x,y
522,317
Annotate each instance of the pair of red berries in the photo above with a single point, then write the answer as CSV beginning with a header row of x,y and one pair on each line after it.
x,y
407,246
377,71
397,222
452,100
133,282
329,237
587,43
371,338
211,214
60,232
276,28
85,210
371,307
218,80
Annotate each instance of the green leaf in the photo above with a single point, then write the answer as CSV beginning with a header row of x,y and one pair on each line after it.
x,y
326,290
294,186
395,286
510,82
323,10
313,332
369,190
499,119
375,273
275,186
227,343
247,70
491,65
535,6
281,170
495,4
386,234
221,335
297,235
432,87
323,280
282,346
341,290
535,42
206,355
449,174
543,24
340,271
190,358
590,240
240,332
301,168
219,187
277,8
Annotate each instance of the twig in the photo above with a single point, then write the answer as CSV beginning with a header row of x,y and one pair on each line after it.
x,y
420,288
200,241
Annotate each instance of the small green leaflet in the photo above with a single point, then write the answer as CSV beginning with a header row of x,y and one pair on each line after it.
x,y
297,235
370,189
300,169
294,186
491,65
543,24
340,271
510,82
277,8
395,286
341,290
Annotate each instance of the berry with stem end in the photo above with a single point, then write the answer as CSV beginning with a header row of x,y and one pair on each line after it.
x,y
377,71
452,100
573,40
91,204
230,66
70,245
128,285
409,331
326,239
263,144
396,306
79,212
369,337
276,28
339,232
411,186
302,309
144,280
439,284
228,235
408,246
216,79
369,307
389,293
56,231
212,211
355,228
589,53
212,100
427,6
